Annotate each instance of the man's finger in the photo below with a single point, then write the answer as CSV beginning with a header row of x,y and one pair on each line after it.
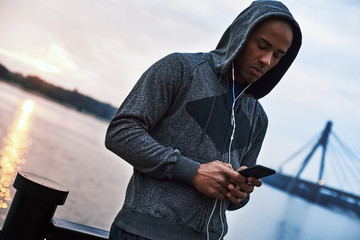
x,y
254,181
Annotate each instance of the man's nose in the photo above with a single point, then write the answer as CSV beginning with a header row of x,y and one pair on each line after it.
x,y
265,59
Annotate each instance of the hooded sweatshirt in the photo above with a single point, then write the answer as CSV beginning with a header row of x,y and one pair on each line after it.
x,y
178,116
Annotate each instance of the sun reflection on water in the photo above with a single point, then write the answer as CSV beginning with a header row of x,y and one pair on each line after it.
x,y
11,154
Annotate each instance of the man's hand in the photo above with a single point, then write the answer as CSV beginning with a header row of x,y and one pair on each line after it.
x,y
218,180
214,178
238,189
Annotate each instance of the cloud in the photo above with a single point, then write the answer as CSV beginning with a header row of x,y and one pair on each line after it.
x,y
328,26
59,56
28,60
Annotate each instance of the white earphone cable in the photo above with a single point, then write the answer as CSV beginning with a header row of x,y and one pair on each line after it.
x,y
233,123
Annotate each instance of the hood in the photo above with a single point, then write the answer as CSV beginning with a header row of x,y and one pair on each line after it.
x,y
235,36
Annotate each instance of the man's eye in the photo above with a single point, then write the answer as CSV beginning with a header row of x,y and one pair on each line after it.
x,y
277,56
262,47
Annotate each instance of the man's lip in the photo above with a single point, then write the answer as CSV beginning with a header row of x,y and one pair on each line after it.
x,y
257,70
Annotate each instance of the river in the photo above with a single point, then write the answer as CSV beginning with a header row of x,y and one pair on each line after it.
x,y
67,146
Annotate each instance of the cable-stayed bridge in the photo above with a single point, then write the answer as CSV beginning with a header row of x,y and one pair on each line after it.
x,y
337,183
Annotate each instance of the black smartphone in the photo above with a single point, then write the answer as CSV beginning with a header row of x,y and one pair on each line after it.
x,y
257,171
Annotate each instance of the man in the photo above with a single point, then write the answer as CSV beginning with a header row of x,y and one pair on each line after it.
x,y
192,120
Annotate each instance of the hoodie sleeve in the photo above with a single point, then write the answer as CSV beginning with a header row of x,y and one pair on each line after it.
x,y
129,132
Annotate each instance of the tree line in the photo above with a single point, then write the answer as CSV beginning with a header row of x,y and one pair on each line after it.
x,y
66,97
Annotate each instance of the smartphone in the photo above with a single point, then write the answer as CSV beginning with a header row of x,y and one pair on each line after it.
x,y
257,171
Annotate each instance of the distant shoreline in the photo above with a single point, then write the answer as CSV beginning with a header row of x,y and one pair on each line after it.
x,y
72,99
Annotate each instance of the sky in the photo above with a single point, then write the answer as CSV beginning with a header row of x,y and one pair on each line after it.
x,y
101,48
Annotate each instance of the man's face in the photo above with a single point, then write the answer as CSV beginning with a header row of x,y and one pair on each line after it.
x,y
268,43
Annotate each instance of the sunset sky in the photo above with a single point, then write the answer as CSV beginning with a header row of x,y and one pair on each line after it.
x,y
102,47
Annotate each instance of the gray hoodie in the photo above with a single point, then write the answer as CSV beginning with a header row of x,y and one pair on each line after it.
x,y
177,116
